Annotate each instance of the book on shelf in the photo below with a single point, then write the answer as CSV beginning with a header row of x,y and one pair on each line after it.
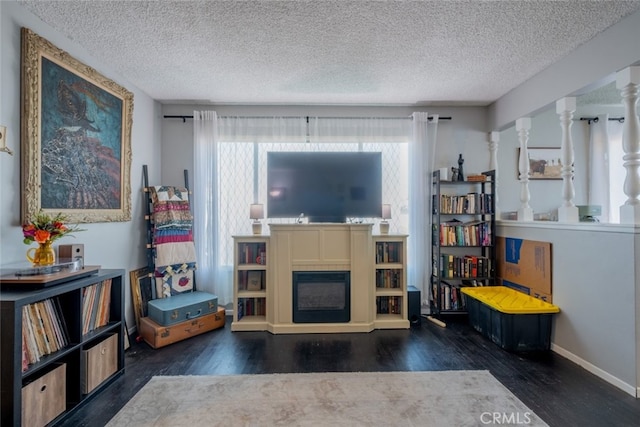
x,y
38,331
388,252
464,266
49,336
25,357
33,353
388,305
96,303
43,331
53,318
61,320
471,203
470,233
389,278
254,280
251,307
451,298
252,253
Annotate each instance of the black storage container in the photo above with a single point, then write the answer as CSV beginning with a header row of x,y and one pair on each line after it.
x,y
513,320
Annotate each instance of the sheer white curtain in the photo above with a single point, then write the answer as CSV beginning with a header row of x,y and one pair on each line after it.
x,y
359,129
230,158
241,170
617,172
262,129
606,170
599,166
387,135
209,277
421,163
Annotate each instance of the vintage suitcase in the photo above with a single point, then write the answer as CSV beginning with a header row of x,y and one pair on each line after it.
x,y
159,336
181,307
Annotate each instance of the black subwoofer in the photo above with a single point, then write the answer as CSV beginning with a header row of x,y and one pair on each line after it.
x,y
413,303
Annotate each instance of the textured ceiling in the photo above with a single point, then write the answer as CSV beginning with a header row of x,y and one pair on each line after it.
x,y
330,52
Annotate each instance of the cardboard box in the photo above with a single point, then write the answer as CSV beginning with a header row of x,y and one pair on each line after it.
x,y
99,362
159,336
45,398
525,265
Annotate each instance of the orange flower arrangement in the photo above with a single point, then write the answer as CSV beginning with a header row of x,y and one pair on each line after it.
x,y
45,228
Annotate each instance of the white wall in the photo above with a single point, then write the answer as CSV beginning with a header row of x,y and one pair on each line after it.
x,y
594,282
110,245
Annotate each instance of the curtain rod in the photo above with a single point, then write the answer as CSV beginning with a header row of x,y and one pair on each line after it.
x,y
595,119
184,118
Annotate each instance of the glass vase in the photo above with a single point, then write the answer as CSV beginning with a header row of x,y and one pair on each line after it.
x,y
42,255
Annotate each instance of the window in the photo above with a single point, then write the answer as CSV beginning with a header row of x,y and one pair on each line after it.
x,y
241,163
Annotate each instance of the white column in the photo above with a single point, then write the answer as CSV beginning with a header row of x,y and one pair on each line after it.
x,y
628,81
523,125
568,211
494,138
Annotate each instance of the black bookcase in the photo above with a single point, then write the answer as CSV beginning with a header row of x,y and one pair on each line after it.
x,y
462,240
69,299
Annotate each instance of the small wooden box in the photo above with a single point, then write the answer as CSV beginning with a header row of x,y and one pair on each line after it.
x,y
99,363
159,336
45,398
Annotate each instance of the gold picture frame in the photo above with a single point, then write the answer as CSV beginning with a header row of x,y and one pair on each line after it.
x,y
75,137
141,292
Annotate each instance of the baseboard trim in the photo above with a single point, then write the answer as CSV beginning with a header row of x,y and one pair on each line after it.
x,y
627,388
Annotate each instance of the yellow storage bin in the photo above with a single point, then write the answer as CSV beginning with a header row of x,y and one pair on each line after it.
x,y
512,319
510,301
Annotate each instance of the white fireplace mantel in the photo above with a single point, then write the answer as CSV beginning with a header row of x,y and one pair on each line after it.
x,y
327,247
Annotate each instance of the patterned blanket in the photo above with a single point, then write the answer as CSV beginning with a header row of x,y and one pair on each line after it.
x,y
175,257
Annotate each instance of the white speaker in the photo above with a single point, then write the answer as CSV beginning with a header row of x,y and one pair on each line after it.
x,y
71,252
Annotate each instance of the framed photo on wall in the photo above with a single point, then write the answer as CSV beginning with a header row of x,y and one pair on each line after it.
x,y
75,137
544,162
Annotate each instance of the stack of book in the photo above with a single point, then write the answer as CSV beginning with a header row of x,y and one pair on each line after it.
x,y
44,331
96,302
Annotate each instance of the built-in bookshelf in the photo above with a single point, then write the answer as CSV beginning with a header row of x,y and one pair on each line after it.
x,y
390,269
46,336
463,247
250,283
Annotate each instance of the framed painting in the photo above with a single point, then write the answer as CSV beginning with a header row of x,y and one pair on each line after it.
x,y
141,292
544,162
75,137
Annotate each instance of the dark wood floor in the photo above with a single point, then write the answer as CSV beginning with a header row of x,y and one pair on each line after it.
x,y
560,392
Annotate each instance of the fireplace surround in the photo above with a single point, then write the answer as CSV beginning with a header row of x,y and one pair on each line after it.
x,y
320,255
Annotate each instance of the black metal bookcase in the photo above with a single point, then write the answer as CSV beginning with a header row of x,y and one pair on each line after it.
x,y
463,248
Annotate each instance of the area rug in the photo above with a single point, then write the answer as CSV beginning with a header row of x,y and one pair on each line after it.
x,y
447,398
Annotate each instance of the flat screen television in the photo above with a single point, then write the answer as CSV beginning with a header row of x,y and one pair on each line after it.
x,y
324,186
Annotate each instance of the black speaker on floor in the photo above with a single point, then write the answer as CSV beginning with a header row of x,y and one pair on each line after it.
x,y
413,303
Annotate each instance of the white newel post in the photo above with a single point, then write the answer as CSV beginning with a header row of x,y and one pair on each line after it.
x,y
568,211
525,213
627,82
494,138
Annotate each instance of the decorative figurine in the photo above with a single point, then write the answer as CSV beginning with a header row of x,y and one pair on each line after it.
x,y
460,176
